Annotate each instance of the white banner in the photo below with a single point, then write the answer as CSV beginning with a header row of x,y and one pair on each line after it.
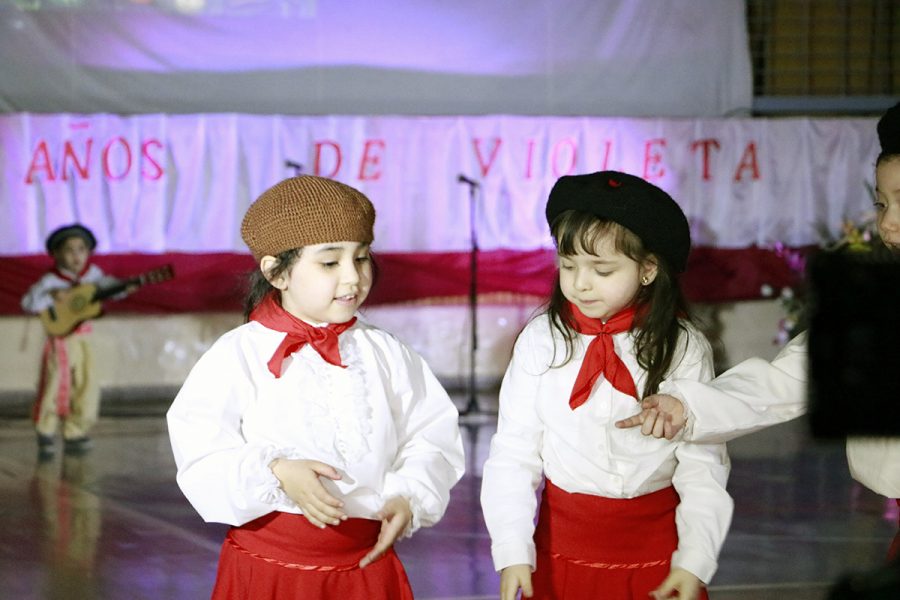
x,y
156,183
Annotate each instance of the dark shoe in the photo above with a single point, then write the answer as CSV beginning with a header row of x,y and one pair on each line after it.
x,y
78,446
46,447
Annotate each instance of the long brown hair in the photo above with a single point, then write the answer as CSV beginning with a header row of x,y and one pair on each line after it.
x,y
660,305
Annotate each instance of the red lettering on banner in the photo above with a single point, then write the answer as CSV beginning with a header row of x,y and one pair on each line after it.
x,y
706,144
82,164
105,158
653,168
748,161
573,157
485,167
608,144
317,163
529,157
373,159
145,153
69,152
40,161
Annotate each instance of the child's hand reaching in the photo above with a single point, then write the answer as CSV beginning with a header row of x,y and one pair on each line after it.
x,y
300,481
395,516
680,584
514,577
661,416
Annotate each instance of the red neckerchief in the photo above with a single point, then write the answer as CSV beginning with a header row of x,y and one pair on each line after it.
x,y
600,357
299,333
73,280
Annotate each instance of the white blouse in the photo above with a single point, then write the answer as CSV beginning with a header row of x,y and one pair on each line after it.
x,y
38,297
384,422
582,451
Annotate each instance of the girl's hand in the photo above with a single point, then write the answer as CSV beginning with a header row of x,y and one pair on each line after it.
x,y
395,516
300,481
661,416
514,577
680,584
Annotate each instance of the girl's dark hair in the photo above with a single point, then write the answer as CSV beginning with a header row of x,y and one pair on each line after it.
x,y
259,287
886,155
660,305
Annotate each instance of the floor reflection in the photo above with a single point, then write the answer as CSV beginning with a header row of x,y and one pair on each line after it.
x,y
112,524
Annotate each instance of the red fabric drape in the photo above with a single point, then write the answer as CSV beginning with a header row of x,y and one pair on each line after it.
x,y
215,282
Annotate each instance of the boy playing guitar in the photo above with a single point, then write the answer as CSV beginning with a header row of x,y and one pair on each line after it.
x,y
66,298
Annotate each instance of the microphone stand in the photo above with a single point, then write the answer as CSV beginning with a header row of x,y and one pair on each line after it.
x,y
297,167
472,404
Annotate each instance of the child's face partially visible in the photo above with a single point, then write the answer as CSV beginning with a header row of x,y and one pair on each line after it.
x,y
327,283
887,201
603,283
72,255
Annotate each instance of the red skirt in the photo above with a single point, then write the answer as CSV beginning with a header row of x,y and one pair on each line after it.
x,y
591,547
282,556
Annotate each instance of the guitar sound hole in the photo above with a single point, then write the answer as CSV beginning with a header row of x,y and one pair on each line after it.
x,y
78,303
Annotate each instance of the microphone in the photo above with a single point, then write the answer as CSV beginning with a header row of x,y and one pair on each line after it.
x,y
463,179
297,167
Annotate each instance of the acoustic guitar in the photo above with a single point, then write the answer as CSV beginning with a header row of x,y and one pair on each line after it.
x,y
84,301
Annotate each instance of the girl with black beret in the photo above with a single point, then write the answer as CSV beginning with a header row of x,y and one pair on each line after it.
x,y
621,515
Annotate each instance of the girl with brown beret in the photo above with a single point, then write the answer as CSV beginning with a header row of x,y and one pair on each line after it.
x,y
320,438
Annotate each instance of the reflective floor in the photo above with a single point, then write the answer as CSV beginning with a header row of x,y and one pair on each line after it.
x,y
112,524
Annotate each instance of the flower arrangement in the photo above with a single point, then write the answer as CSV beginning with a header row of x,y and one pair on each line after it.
x,y
853,237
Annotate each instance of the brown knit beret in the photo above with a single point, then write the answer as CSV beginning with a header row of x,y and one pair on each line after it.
x,y
306,210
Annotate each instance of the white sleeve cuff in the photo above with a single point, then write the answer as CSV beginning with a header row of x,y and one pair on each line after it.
x,y
669,388
396,485
514,553
263,484
695,562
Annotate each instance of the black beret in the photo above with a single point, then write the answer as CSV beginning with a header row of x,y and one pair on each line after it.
x,y
632,202
60,235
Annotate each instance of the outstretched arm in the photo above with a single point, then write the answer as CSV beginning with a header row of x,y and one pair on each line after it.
x,y
748,397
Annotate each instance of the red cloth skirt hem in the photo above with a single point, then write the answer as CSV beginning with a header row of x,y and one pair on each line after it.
x,y
591,547
282,556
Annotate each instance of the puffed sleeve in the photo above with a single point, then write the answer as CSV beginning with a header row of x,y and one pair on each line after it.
x,y
704,514
429,459
226,479
513,469
748,397
38,297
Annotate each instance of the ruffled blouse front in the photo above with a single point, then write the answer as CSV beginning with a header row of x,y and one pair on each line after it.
x,y
383,421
